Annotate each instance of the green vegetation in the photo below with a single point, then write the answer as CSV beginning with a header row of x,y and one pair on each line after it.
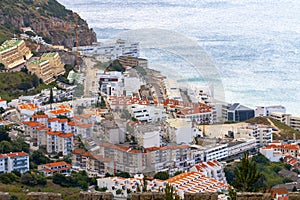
x,y
123,174
20,190
115,66
246,175
259,120
141,70
79,179
286,132
161,175
269,171
15,84
170,193
7,145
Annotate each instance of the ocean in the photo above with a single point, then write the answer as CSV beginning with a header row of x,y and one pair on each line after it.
x,y
248,50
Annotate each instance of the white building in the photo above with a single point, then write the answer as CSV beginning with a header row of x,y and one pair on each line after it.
x,y
146,113
111,83
3,104
212,169
58,167
267,110
271,154
14,161
216,152
200,115
263,134
148,135
113,50
172,89
181,130
242,145
288,119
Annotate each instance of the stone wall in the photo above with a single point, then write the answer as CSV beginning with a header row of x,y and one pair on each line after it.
x,y
146,196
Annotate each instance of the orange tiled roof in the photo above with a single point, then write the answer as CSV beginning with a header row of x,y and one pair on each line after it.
x,y
39,116
16,154
29,106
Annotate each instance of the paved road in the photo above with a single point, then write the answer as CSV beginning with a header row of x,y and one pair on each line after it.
x,y
90,81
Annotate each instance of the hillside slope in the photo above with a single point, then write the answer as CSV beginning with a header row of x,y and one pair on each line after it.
x,y
43,16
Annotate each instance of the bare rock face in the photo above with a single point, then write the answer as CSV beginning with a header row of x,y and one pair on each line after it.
x,y
43,196
4,196
49,19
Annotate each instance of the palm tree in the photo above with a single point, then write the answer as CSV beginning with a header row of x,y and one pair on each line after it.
x,y
170,193
246,175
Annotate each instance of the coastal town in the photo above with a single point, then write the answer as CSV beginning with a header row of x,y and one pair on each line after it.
x,y
130,127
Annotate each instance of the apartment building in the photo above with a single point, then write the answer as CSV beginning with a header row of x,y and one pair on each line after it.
x,y
239,113
147,113
55,63
113,50
14,161
133,61
147,135
262,133
288,119
201,114
57,167
42,69
92,164
267,110
14,53
241,145
181,130
59,142
216,152
3,103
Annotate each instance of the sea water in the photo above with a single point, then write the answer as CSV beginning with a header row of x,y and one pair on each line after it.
x,y
253,45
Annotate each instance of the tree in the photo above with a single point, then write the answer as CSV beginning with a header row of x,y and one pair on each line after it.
x,y
29,179
35,80
177,173
119,191
51,100
123,174
246,175
170,193
2,66
294,189
38,158
161,175
4,134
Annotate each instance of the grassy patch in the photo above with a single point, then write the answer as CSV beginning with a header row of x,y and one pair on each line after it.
x,y
20,190
259,120
286,132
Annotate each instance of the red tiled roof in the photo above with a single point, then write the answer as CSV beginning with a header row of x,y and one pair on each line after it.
x,y
39,116
16,154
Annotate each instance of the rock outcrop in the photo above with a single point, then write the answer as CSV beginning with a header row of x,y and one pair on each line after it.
x,y
47,18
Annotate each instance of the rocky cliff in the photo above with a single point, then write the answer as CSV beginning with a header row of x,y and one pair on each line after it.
x,y
47,18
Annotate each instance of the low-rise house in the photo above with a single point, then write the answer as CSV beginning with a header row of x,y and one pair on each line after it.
x,y
3,104
279,193
14,161
212,169
191,182
57,167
